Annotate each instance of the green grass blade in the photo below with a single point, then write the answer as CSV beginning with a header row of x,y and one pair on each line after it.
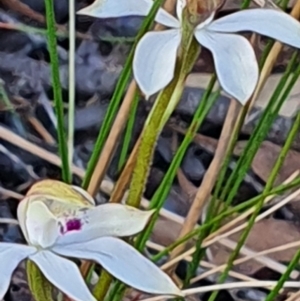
x,y
71,109
57,91
128,132
284,277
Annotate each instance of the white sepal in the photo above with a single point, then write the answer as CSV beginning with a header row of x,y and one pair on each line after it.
x,y
123,262
234,60
154,60
123,8
268,22
11,255
63,274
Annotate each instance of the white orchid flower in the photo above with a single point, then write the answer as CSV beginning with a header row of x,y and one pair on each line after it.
x,y
60,221
234,58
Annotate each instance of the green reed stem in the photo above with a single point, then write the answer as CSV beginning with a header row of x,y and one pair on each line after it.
x,y
57,91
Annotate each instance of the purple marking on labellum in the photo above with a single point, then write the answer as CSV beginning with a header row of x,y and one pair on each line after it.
x,y
73,224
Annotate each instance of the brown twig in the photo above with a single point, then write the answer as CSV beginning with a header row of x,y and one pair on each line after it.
x,y
38,126
24,9
60,29
122,183
210,176
112,141
36,150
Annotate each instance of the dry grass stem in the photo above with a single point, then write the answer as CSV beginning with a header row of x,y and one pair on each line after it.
x,y
38,126
210,177
112,141
9,221
36,150
212,239
266,261
220,268
118,193
226,286
294,297
106,185
6,193
205,264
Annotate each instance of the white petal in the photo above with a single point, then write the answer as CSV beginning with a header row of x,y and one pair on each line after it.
x,y
64,274
10,256
21,213
268,22
42,227
85,194
123,262
107,220
122,8
52,190
181,4
235,62
154,60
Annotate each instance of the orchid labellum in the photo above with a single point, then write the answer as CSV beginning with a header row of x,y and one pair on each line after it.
x,y
234,58
59,220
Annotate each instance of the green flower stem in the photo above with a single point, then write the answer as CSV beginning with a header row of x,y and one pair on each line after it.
x,y
40,287
118,291
161,193
151,131
52,45
102,285
160,113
